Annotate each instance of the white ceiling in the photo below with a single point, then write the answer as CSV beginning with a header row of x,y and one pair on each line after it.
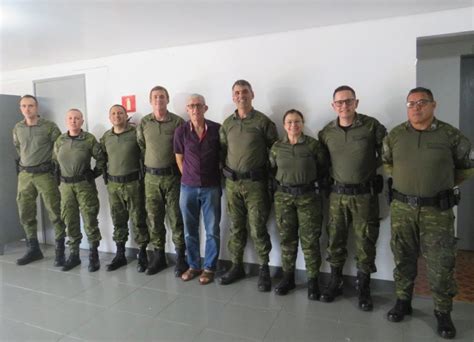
x,y
42,32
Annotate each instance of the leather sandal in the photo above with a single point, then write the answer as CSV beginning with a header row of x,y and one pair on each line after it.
x,y
190,274
206,277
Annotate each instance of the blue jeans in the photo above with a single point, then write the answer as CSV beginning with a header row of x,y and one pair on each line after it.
x,y
191,201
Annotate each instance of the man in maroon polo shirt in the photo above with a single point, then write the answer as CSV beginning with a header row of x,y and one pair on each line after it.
x,y
197,150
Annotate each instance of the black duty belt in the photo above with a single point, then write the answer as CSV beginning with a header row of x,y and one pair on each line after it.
x,y
254,175
41,168
416,201
166,171
297,189
124,179
351,189
74,179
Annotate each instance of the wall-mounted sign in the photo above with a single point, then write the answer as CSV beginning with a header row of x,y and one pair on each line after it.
x,y
129,103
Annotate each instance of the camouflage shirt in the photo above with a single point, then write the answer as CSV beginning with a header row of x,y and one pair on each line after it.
x,y
298,164
155,139
245,142
73,154
424,163
355,152
122,151
34,144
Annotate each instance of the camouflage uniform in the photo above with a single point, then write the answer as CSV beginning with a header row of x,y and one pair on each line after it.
x,y
155,139
73,154
299,165
422,164
355,155
246,143
34,145
125,199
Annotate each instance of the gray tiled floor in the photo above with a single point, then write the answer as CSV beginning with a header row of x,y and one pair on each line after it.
x,y
39,302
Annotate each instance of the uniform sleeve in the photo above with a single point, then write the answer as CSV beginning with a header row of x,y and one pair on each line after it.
x,y
463,156
16,142
387,158
99,156
55,132
223,141
271,133
272,157
104,151
324,147
322,161
178,143
141,138
55,151
380,134
54,159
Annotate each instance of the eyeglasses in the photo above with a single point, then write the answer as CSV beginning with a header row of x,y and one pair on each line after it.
x,y
419,103
348,102
195,106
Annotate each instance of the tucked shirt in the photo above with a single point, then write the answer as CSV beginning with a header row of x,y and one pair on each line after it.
x,y
74,154
34,144
246,142
423,163
299,164
200,156
122,151
355,152
155,139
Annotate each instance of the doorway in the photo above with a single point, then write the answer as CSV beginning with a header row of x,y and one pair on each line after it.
x,y
56,96
10,229
445,66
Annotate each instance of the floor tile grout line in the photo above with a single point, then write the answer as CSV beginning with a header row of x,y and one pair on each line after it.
x,y
232,335
273,322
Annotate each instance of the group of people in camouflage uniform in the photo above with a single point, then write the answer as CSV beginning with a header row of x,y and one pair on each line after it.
x,y
167,165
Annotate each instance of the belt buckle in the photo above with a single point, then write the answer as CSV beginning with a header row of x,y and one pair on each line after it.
x,y
413,201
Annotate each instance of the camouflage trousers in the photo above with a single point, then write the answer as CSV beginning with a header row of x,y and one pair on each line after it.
x,y
362,211
162,196
248,204
126,201
299,215
430,232
29,186
80,198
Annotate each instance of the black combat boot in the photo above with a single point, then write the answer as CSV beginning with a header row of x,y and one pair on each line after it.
x,y
286,284
334,287
94,263
33,252
398,312
235,273
446,327
363,290
264,283
158,262
142,260
73,261
313,289
60,258
119,260
181,264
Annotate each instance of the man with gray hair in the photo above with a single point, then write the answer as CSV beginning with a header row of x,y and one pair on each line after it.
x,y
197,150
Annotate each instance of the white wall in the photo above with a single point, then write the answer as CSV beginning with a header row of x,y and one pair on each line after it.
x,y
294,69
